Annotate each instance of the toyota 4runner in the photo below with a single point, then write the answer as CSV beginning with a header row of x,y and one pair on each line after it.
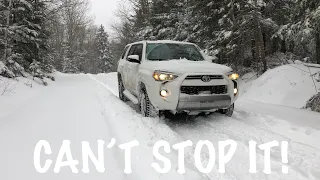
x,y
163,76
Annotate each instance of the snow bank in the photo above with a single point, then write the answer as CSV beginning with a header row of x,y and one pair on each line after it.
x,y
17,92
289,85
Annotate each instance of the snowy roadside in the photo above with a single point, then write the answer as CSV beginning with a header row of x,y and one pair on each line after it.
x,y
65,110
76,108
16,92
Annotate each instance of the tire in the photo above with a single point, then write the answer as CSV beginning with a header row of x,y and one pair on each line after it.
x,y
228,112
145,106
121,88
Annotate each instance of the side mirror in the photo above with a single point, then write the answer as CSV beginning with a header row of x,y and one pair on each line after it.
x,y
134,59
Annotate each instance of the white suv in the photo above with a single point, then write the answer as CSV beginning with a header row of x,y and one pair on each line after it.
x,y
162,76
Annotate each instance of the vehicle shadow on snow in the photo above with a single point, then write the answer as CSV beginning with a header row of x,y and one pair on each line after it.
x,y
183,119
180,120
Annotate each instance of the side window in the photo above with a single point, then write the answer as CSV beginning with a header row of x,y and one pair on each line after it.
x,y
124,52
136,50
132,50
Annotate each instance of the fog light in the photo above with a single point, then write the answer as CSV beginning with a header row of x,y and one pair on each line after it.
x,y
164,93
235,91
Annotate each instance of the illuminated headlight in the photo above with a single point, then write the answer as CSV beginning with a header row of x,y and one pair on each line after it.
x,y
233,76
164,76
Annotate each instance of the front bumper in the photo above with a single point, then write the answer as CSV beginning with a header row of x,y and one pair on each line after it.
x,y
207,102
177,101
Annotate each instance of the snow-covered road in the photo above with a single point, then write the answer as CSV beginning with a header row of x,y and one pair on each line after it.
x,y
86,108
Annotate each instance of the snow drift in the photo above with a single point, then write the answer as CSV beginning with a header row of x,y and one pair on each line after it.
x,y
289,85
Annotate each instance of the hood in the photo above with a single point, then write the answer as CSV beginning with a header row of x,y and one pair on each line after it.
x,y
185,66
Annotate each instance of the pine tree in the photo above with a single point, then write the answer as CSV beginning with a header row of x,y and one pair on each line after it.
x,y
24,32
236,31
303,31
164,17
38,22
68,63
104,53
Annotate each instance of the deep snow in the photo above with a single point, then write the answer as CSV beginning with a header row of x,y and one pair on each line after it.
x,y
86,108
260,122
288,85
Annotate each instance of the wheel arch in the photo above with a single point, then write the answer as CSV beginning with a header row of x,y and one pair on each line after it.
x,y
119,75
141,86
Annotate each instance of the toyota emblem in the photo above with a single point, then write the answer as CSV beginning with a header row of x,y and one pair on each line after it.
x,y
206,78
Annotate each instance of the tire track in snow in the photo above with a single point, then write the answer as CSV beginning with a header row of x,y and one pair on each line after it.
x,y
160,131
297,150
268,123
170,132
207,129
230,128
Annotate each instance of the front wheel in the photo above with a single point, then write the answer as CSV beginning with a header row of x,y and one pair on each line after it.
x,y
228,112
145,106
121,88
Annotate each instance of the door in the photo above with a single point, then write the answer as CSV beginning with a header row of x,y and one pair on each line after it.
x,y
125,69
133,68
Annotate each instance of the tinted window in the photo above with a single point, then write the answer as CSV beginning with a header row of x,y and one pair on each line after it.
x,y
131,52
136,50
124,52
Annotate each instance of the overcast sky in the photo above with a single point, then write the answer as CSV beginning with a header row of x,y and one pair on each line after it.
x,y
103,11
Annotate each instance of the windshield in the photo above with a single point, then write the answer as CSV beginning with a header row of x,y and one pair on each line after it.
x,y
172,51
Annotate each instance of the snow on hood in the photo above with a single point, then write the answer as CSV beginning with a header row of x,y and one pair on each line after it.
x,y
186,66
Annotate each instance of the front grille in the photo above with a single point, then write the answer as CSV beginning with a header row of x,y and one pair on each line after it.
x,y
193,77
194,90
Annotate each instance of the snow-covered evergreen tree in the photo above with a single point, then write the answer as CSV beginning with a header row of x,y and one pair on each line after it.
x,y
164,19
105,60
68,61
24,33
302,34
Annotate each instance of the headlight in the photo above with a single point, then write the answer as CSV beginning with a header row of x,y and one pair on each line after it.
x,y
164,76
234,76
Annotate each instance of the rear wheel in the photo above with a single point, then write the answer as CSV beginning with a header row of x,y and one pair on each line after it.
x,y
145,106
227,112
121,90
